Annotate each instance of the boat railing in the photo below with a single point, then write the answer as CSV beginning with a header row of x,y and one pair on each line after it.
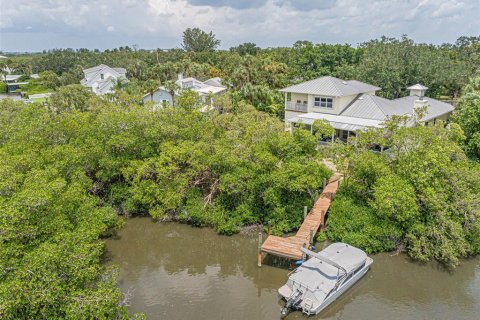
x,y
324,259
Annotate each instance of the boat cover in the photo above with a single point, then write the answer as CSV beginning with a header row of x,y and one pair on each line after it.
x,y
344,255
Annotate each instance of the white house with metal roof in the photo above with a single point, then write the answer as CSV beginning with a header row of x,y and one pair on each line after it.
x,y
352,105
101,79
211,86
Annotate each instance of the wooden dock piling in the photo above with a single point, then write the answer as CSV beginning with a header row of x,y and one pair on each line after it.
x,y
259,257
311,239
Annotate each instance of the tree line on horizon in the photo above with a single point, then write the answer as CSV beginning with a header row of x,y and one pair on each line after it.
x,y
255,74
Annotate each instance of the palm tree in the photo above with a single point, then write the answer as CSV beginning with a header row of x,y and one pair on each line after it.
x,y
150,86
172,89
119,83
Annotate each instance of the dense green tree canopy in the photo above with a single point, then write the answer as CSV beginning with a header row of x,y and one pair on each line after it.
x,y
68,170
467,115
423,190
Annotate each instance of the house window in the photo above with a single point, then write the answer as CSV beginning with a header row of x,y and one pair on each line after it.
x,y
101,76
299,101
323,102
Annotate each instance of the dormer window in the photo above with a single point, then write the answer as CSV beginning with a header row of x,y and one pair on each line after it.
x,y
323,102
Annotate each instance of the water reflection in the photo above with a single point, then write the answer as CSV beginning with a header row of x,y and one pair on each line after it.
x,y
179,272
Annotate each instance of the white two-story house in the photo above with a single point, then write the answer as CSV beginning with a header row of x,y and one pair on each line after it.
x,y
353,105
101,79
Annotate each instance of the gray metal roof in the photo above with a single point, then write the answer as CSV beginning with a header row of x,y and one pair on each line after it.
x,y
330,86
369,107
122,71
373,107
435,108
339,122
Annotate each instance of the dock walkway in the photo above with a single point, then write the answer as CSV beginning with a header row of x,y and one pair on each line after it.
x,y
289,247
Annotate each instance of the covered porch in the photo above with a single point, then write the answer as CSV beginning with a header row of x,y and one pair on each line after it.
x,y
344,126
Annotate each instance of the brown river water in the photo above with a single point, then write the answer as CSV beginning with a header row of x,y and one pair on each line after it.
x,y
175,271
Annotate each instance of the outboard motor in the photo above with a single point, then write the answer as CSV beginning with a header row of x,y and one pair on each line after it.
x,y
291,303
285,311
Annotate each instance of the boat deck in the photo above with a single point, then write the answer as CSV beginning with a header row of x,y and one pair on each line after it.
x,y
289,247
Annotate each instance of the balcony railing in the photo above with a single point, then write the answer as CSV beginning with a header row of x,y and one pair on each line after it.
x,y
292,106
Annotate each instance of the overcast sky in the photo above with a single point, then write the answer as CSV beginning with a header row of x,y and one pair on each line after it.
x,y
34,25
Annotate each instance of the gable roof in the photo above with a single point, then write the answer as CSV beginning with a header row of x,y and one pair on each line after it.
x,y
331,86
369,107
93,72
215,82
121,71
212,85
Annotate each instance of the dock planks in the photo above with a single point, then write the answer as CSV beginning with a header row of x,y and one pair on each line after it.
x,y
289,247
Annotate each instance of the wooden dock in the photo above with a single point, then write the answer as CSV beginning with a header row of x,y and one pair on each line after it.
x,y
289,247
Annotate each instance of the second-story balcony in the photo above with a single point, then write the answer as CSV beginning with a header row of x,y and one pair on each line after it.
x,y
292,106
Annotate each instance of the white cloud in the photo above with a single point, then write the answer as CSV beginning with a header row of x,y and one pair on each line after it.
x,y
159,23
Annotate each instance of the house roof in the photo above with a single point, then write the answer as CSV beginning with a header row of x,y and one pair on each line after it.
x,y
122,71
214,82
93,72
12,77
161,88
331,86
339,122
369,107
435,108
210,89
105,84
212,85
96,68
373,107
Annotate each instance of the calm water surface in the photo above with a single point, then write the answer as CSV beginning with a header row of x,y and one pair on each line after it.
x,y
175,271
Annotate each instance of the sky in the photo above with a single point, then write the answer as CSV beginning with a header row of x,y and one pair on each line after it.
x,y
34,25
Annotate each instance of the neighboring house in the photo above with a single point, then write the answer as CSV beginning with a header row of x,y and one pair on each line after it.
x,y
159,97
101,79
352,105
212,86
12,83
